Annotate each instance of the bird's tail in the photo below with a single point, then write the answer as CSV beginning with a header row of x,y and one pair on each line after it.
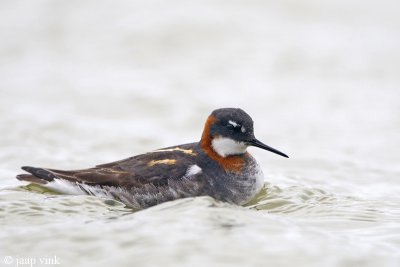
x,y
37,175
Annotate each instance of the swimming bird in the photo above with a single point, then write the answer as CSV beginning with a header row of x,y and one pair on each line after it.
x,y
218,166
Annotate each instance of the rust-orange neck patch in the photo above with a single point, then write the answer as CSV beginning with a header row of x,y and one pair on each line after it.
x,y
229,163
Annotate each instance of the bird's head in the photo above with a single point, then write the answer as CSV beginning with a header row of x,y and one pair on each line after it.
x,y
229,131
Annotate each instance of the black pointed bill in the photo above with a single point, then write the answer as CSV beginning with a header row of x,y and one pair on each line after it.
x,y
259,144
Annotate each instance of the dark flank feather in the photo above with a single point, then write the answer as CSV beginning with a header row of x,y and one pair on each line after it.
x,y
31,178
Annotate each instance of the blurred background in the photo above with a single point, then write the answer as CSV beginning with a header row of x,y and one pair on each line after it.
x,y
87,82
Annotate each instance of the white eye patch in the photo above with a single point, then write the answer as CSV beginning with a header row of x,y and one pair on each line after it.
x,y
233,123
237,125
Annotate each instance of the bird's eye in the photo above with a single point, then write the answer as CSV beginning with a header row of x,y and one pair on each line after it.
x,y
233,126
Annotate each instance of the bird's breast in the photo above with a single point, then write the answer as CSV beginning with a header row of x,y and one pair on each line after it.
x,y
240,188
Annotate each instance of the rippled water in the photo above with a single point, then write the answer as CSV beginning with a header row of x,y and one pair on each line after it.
x,y
87,82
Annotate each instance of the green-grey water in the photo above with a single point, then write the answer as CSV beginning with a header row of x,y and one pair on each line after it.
x,y
88,82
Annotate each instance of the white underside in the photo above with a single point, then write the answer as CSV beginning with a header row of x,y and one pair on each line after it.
x,y
259,175
226,147
65,187
71,188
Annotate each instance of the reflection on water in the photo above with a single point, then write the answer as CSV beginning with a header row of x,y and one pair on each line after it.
x,y
315,203
274,225
293,200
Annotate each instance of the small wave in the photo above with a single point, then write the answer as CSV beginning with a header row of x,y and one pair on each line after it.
x,y
314,202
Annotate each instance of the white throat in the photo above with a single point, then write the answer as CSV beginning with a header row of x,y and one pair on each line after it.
x,y
227,147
